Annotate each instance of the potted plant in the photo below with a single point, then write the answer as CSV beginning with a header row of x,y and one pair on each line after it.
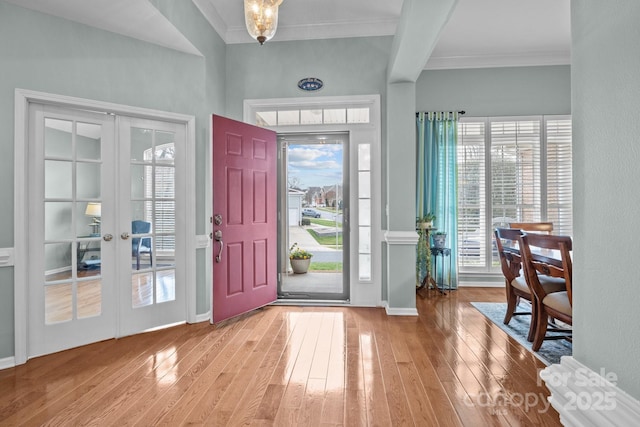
x,y
425,222
439,239
299,259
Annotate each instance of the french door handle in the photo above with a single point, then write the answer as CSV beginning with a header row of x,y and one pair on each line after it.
x,y
108,237
125,235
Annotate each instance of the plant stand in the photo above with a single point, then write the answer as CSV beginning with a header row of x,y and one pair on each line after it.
x,y
441,252
428,281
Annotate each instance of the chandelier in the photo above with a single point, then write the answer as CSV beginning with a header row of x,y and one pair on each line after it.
x,y
261,18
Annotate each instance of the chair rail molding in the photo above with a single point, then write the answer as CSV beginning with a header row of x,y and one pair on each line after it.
x,y
393,237
584,397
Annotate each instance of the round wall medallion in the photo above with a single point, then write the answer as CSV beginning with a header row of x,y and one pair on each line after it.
x,y
310,84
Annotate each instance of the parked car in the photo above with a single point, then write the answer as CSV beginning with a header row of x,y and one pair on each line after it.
x,y
311,213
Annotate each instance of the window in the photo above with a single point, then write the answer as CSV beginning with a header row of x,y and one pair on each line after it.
x,y
159,191
364,209
315,116
510,169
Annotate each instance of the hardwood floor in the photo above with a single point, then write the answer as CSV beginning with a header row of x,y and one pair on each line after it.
x,y
294,366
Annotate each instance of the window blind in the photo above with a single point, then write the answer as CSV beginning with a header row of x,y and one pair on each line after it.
x,y
471,194
559,175
515,170
510,169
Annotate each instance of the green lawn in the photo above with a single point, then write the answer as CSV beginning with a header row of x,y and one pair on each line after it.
x,y
331,210
324,222
327,240
325,266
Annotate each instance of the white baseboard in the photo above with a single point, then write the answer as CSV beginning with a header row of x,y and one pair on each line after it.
x,y
583,397
7,362
57,270
399,311
475,284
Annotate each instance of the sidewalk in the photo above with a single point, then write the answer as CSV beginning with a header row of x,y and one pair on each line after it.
x,y
305,240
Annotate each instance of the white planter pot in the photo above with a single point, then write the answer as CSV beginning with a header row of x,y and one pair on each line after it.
x,y
300,266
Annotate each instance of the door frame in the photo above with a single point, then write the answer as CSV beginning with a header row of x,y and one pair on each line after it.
x,y
22,159
362,292
283,216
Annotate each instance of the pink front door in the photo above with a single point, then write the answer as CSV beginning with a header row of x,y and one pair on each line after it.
x,y
244,225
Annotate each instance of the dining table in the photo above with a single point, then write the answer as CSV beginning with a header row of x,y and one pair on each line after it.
x,y
549,256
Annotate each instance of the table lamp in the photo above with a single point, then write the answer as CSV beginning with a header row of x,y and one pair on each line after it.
x,y
94,210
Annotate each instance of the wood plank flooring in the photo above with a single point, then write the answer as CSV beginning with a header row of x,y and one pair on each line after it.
x,y
294,366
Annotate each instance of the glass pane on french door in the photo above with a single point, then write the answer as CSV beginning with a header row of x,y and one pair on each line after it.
x,y
313,194
153,208
73,285
155,296
70,296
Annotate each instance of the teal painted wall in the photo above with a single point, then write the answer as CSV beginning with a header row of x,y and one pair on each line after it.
x,y
355,66
44,53
606,104
510,91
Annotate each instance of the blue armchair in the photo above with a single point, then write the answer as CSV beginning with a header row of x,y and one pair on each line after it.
x,y
141,245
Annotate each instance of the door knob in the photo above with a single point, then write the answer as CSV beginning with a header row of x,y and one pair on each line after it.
x,y
108,237
124,236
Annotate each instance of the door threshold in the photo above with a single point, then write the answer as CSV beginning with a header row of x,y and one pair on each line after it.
x,y
311,302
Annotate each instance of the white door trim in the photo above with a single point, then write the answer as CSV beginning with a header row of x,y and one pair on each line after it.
x,y
23,98
362,292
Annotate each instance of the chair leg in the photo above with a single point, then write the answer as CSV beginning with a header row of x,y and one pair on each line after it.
x,y
512,302
534,319
541,329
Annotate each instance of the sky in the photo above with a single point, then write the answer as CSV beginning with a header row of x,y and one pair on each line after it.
x,y
315,165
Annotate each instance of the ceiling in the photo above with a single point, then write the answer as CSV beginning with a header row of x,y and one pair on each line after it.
x,y
480,33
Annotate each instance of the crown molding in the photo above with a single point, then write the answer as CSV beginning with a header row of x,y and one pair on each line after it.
x,y
332,30
496,61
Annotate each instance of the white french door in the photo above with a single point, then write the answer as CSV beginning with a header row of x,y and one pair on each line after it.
x,y
149,192
106,255
72,275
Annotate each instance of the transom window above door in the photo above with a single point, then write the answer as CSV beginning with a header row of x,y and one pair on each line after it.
x,y
312,116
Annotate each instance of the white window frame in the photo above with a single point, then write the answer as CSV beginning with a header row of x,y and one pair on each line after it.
x,y
363,292
491,265
151,181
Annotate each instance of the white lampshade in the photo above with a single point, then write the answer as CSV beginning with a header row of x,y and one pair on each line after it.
x,y
93,209
261,18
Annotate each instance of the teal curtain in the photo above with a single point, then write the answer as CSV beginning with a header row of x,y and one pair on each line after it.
x,y
437,181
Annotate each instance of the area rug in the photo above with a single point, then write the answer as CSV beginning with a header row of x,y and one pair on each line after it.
x,y
551,350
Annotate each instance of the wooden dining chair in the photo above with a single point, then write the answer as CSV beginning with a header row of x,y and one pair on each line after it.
x,y
511,263
515,282
534,227
547,257
538,227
